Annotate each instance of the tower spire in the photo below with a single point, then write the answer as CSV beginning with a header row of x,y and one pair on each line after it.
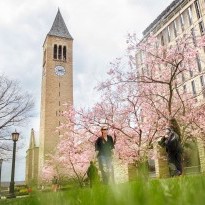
x,y
32,140
59,27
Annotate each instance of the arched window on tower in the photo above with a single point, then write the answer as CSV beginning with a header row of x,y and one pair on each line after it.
x,y
64,53
55,51
59,52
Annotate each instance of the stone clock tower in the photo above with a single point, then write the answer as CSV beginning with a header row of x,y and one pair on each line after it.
x,y
57,84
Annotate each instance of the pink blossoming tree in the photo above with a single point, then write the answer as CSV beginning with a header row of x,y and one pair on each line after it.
x,y
143,92
159,73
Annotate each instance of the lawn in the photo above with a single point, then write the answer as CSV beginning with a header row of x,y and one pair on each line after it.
x,y
185,190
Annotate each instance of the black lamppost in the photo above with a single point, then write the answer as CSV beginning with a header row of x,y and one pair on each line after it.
x,y
1,161
15,137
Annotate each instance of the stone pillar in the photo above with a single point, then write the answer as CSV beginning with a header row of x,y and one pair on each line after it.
x,y
161,164
200,145
120,171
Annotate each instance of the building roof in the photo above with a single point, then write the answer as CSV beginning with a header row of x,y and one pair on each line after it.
x,y
59,28
163,15
6,184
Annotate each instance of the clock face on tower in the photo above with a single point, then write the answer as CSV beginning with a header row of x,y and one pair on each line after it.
x,y
59,70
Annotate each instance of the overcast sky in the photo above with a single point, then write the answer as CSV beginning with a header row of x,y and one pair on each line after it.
x,y
99,29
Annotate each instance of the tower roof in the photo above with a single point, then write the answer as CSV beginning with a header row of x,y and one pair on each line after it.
x,y
59,27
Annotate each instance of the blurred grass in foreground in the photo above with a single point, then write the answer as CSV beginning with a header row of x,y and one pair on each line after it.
x,y
187,190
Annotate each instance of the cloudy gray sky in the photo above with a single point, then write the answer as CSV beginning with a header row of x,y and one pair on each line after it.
x,y
99,29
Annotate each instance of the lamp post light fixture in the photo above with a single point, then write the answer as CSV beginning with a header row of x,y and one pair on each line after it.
x,y
15,137
1,161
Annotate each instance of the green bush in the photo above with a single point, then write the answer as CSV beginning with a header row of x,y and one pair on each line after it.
x,y
22,192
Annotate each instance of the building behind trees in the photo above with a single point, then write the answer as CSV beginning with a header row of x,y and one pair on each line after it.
x,y
180,18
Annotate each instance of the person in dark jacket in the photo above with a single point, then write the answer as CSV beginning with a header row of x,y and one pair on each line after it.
x,y
172,143
55,183
104,146
92,173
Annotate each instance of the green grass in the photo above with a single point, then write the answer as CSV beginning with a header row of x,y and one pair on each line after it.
x,y
187,190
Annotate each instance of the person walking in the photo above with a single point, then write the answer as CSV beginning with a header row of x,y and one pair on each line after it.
x,y
104,146
92,173
55,184
172,143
